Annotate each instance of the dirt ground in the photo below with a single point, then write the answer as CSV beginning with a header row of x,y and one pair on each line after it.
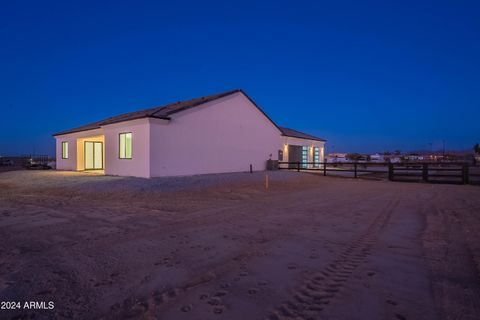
x,y
224,247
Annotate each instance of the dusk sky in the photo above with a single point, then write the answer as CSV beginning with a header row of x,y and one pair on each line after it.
x,y
366,75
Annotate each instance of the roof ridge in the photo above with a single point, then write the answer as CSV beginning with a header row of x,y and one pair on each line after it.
x,y
152,112
200,100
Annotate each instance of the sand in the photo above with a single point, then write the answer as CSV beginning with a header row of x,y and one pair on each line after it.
x,y
223,247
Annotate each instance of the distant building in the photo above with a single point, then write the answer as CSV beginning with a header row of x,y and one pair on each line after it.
x,y
414,157
393,158
336,157
377,157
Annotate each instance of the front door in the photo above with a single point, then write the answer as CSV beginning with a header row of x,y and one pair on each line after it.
x,y
93,155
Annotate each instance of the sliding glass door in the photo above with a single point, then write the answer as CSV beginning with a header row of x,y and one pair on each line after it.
x,y
93,155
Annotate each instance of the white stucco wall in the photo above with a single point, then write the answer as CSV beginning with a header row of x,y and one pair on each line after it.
x,y
71,138
139,165
225,135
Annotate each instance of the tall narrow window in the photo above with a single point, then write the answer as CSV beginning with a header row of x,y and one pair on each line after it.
x,y
64,150
316,157
304,156
125,145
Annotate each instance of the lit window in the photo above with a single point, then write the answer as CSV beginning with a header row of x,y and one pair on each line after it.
x,y
304,156
316,157
64,150
125,146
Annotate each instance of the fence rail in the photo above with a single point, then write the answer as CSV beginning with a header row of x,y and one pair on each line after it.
x,y
453,172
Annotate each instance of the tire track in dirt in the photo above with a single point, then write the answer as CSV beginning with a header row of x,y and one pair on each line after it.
x,y
202,217
153,305
319,290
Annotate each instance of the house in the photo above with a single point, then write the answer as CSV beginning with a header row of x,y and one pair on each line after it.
x,y
337,157
414,157
392,158
377,157
225,132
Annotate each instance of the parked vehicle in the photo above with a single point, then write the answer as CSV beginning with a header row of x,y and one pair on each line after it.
x,y
37,163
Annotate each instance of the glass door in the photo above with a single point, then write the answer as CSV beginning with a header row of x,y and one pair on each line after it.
x,y
93,155
304,156
316,157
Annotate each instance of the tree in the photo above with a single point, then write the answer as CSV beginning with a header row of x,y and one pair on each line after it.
x,y
397,152
476,148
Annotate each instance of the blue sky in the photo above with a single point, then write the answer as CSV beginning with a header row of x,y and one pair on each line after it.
x,y
366,75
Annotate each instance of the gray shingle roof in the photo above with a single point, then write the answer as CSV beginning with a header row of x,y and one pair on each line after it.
x,y
161,112
297,134
165,111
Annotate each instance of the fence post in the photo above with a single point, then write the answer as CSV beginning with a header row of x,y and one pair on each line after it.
x,y
324,168
425,172
390,171
298,166
465,174
251,169
355,169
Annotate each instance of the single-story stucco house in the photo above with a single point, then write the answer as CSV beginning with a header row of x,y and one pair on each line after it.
x,y
224,132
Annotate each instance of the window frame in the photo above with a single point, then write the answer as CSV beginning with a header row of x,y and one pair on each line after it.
x,y
65,150
304,157
125,151
316,157
93,155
